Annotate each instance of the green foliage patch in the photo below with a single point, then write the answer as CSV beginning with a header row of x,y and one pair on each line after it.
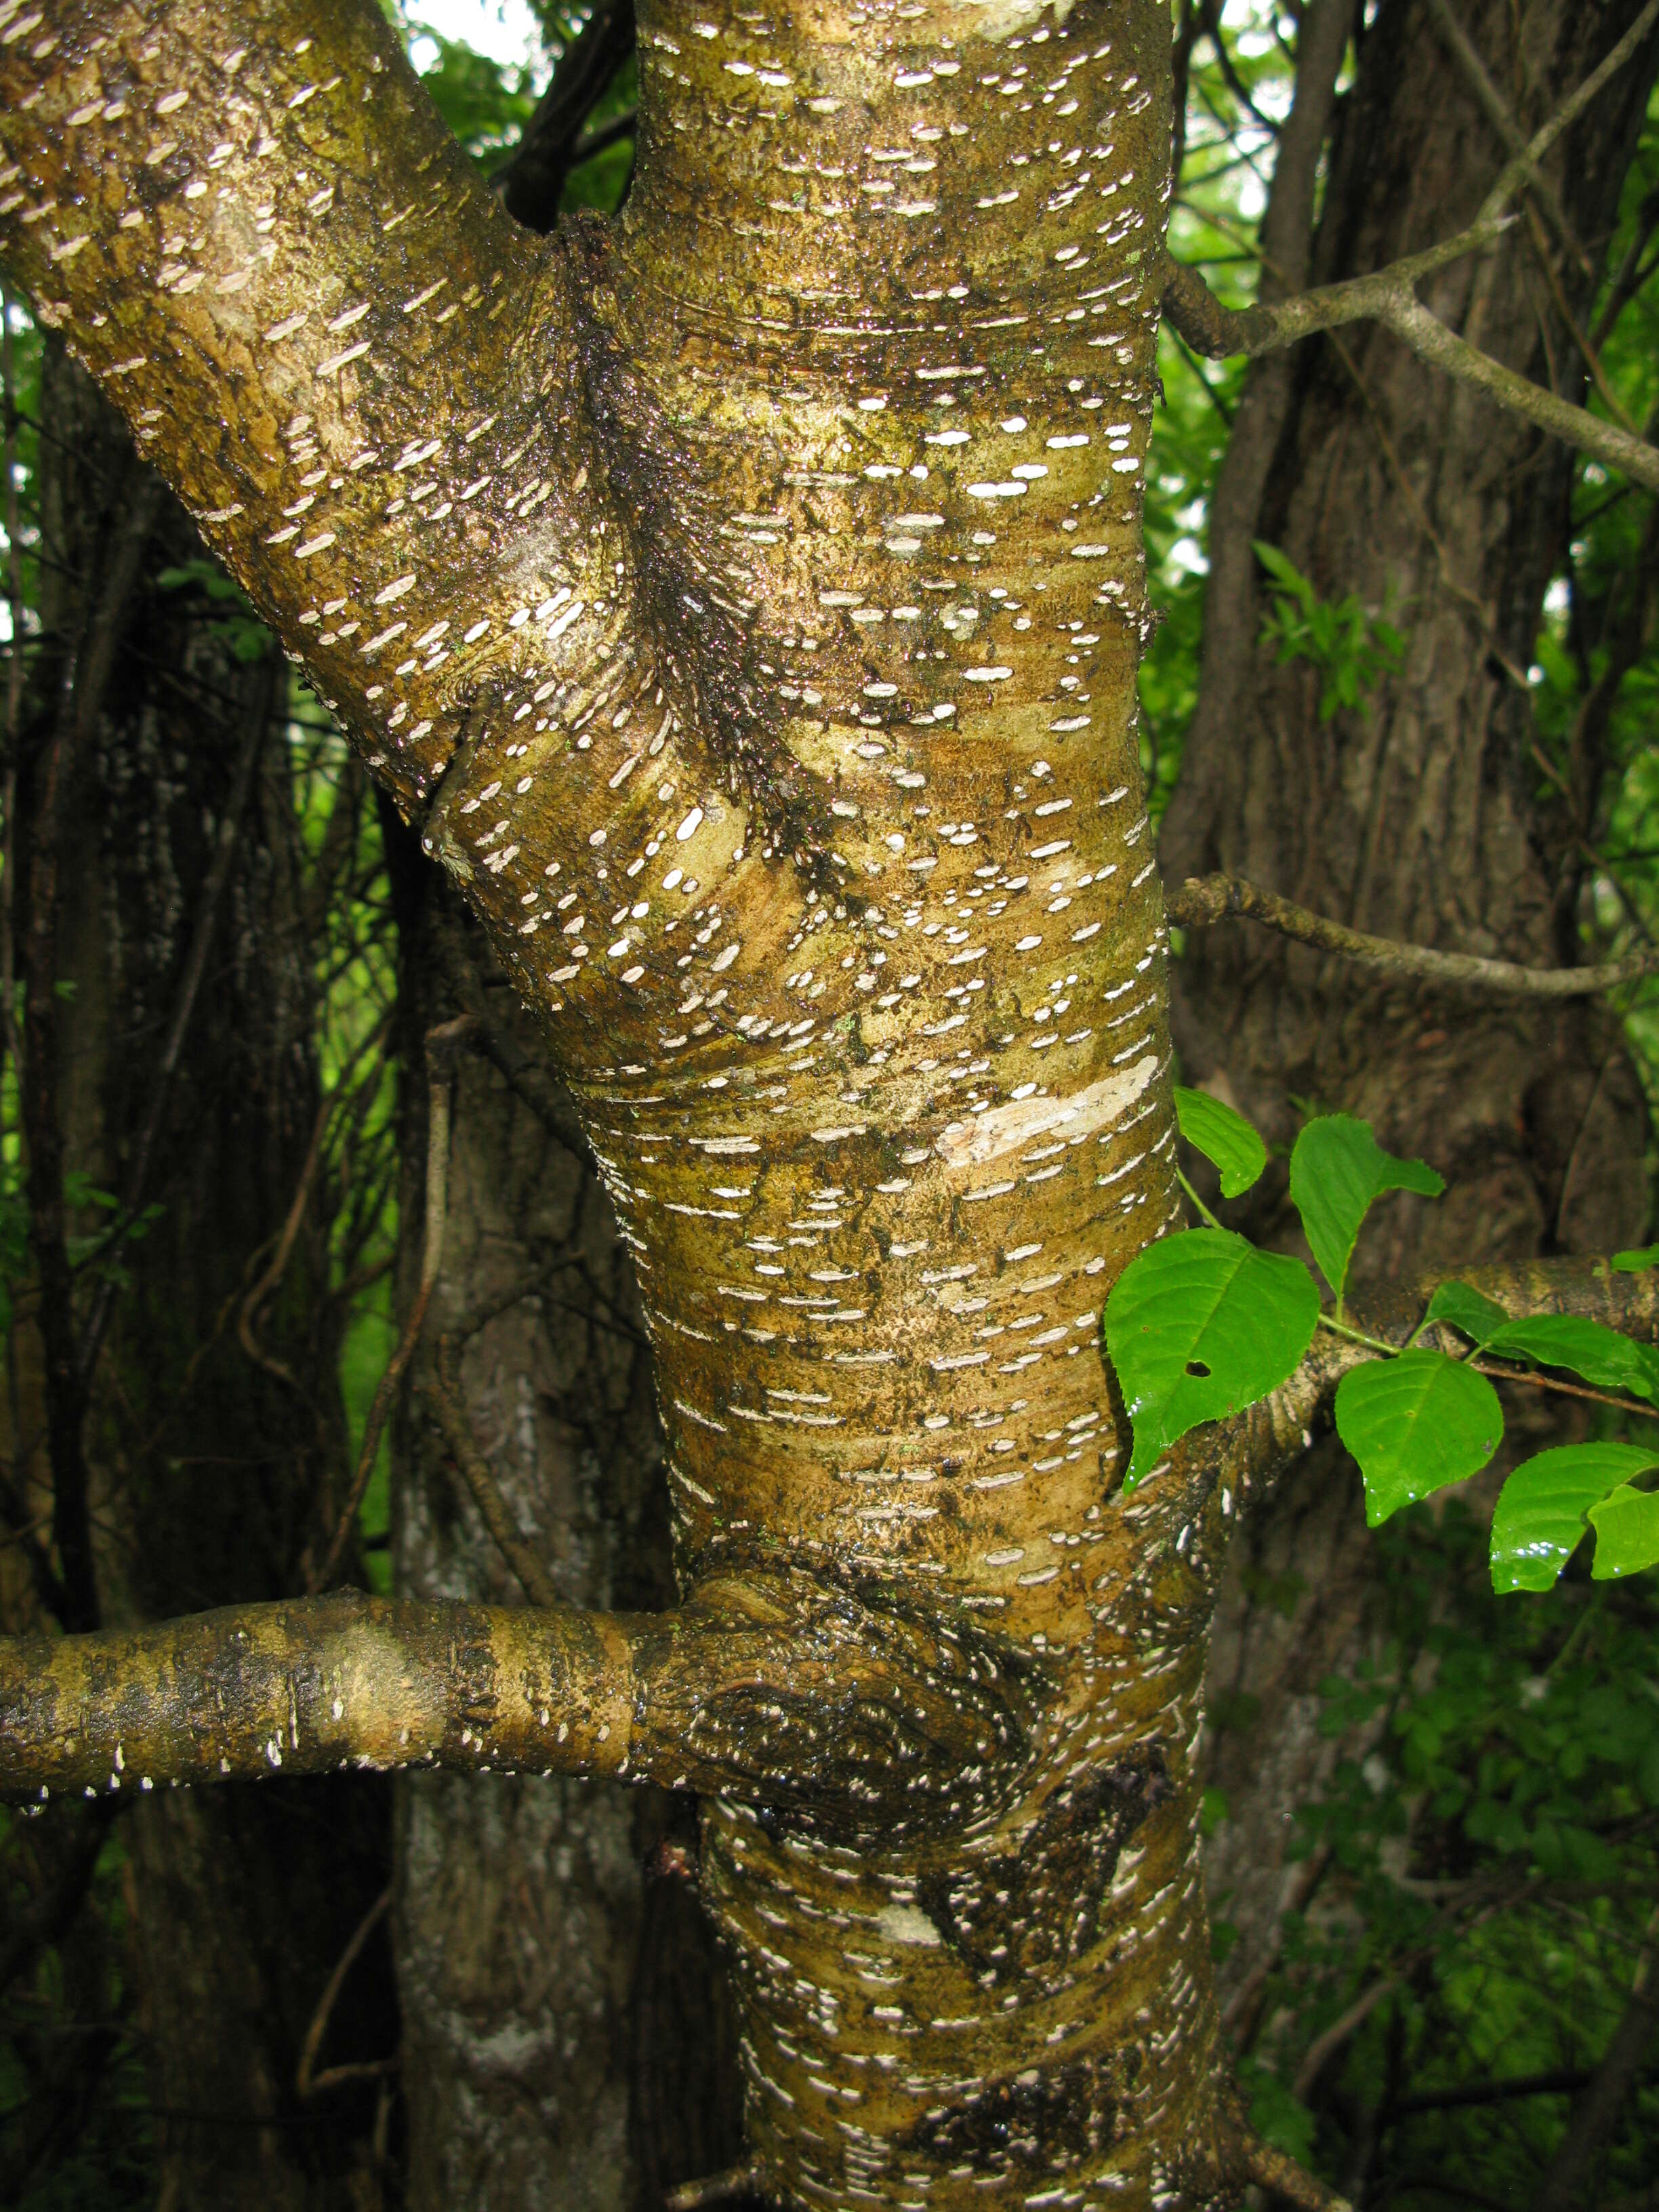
x,y
1202,1324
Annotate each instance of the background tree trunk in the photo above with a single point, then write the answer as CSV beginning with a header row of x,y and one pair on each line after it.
x,y
569,2043
1416,819
204,1466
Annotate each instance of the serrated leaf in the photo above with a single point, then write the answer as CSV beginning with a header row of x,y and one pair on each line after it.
x,y
1338,1172
1469,1312
1540,1517
1223,1136
1199,1326
1637,1263
1416,1423
1601,1355
1626,1528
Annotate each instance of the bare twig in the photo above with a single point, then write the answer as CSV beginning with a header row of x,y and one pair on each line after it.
x,y
1388,296
1496,109
1278,2171
441,1045
307,2082
1203,900
539,1585
1628,1406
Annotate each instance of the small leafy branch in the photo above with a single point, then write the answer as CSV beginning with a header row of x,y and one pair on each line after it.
x,y
1353,650
1204,1324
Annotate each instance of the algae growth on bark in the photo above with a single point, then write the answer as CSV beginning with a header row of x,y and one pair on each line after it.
x,y
743,600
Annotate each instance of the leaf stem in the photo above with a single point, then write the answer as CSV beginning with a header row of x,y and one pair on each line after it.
x,y
1196,1200
1358,1336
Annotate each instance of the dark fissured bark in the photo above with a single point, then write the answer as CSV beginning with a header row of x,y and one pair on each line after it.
x,y
1416,820
203,1468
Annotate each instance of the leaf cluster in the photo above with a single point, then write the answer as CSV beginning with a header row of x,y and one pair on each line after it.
x,y
1204,1324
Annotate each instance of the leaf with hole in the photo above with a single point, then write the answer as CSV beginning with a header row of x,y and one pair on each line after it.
x,y
1199,1326
1539,1516
1471,1312
1416,1423
1601,1355
1223,1136
1338,1172
1626,1528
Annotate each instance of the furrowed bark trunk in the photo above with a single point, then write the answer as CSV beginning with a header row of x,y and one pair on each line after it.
x,y
517,1928
746,602
1416,820
203,1469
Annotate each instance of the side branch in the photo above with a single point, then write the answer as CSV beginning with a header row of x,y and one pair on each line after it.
x,y
776,1687
1388,296
1203,900
1267,1439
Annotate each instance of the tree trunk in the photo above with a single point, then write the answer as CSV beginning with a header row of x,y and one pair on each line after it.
x,y
745,601
1414,819
521,1905
203,1468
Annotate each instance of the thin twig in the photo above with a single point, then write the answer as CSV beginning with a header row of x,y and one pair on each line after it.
x,y
715,2189
1496,112
1203,900
1567,1389
497,1514
306,2082
1388,296
440,1047
1277,2170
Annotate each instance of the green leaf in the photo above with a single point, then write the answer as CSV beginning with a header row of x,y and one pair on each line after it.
x,y
1539,1516
1601,1355
1222,1136
1338,1172
1415,1423
1626,1528
1201,1325
1470,1311
1637,1263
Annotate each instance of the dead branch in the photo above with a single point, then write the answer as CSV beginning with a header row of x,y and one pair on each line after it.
x,y
1388,296
1203,900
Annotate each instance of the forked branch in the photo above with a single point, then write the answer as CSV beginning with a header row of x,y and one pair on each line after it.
x,y
1389,297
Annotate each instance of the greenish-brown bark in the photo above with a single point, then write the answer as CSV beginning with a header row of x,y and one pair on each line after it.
x,y
744,604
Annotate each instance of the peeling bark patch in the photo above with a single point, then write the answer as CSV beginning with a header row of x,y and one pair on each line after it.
x,y
1006,1128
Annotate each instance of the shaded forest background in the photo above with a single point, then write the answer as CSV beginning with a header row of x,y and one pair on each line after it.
x,y
1427,710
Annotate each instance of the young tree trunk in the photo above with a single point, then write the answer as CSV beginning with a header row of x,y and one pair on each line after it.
x,y
521,1904
1417,818
745,601
203,1468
